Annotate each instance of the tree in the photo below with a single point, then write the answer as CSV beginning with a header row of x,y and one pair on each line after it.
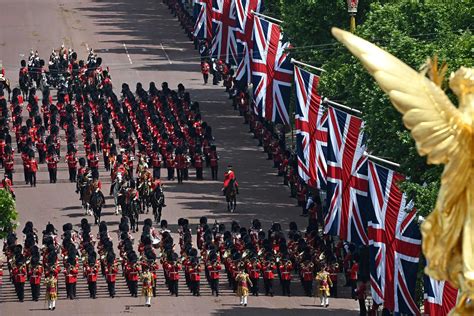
x,y
8,213
412,31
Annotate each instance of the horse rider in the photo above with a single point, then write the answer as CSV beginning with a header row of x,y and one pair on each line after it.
x,y
228,177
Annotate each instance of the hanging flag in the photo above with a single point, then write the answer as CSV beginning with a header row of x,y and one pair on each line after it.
x,y
440,297
394,243
224,24
271,71
245,21
311,130
202,13
347,187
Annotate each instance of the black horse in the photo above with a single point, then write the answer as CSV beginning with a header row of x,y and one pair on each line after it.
x,y
157,202
230,193
97,201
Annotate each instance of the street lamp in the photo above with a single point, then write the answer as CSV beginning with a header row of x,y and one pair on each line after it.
x,y
352,9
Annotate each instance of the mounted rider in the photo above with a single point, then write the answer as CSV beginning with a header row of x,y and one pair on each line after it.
x,y
230,177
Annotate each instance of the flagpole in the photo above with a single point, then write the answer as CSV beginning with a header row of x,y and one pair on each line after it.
x,y
388,162
326,100
266,17
294,61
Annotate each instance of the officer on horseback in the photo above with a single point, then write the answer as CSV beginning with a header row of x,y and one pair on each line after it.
x,y
228,177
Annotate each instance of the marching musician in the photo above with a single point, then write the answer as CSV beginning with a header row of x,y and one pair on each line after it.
x,y
253,268
268,269
111,273
35,271
285,276
214,268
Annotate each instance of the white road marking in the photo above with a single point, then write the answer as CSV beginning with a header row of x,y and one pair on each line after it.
x,y
128,55
87,47
167,57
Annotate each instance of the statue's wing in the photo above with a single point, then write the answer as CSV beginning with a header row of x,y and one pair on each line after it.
x,y
435,123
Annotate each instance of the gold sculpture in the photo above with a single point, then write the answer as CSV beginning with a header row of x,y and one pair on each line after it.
x,y
443,133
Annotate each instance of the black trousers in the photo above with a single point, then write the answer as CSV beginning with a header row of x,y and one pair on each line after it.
x,y
195,287
33,179
268,284
156,172
285,286
134,288
95,173
215,286
70,290
308,287
362,308
170,173
180,175
9,174
20,290
92,289
214,173
52,175
173,287
205,77
111,288
199,173
72,174
254,286
35,291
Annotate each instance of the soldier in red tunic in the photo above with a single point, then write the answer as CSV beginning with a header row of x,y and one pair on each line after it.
x,y
268,271
205,70
253,268
111,273
19,275
285,276
52,162
72,160
214,268
35,271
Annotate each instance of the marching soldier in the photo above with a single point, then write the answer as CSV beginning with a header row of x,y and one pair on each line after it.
x,y
52,162
111,273
253,268
19,276
156,163
92,269
198,159
70,272
205,68
268,269
307,276
173,268
132,272
93,161
9,163
324,284
285,276
213,158
214,269
72,160
35,272
195,277
33,168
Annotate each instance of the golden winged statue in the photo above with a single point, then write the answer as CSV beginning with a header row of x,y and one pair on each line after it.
x,y
444,133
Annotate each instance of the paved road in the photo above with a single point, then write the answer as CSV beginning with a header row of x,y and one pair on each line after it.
x,y
142,42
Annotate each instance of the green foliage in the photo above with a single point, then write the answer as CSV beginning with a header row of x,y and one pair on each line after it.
x,y
413,32
8,213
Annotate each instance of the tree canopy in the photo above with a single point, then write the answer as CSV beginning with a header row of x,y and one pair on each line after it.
x,y
8,213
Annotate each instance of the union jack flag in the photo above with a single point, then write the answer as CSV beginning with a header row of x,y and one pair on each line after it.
x,y
311,130
394,243
272,72
202,13
245,21
440,297
224,23
347,184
